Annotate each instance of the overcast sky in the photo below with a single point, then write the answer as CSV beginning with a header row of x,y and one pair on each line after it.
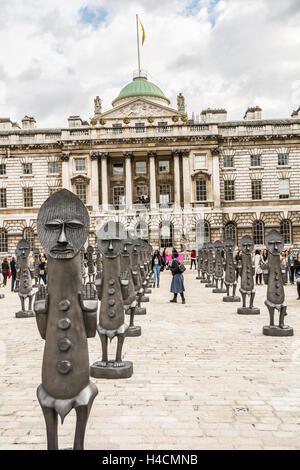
x,y
57,55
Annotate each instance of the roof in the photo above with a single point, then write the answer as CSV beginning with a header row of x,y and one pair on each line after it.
x,y
140,86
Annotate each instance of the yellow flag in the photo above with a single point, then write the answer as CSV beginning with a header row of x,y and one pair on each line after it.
x,y
143,38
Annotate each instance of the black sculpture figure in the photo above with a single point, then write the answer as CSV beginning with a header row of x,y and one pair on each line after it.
x,y
147,271
66,315
37,279
25,289
199,264
210,265
230,276
204,264
131,302
90,263
247,271
82,264
136,275
112,289
274,277
219,268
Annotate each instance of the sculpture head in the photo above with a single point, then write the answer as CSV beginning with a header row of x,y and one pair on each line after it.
x,y
23,249
63,225
229,245
218,246
210,247
274,242
111,238
90,250
127,246
136,246
247,245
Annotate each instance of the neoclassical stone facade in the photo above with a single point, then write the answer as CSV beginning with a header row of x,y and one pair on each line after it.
x,y
174,181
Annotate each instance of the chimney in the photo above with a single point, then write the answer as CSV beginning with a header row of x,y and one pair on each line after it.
x,y
28,122
253,114
75,121
214,115
296,114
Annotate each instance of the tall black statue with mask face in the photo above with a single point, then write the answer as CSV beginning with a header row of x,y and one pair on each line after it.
x,y
246,271
274,277
25,289
219,268
112,287
204,278
230,279
210,265
90,263
66,315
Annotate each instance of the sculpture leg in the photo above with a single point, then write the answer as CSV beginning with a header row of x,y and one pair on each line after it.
x,y
234,289
82,415
132,316
227,290
30,302
103,339
118,362
50,416
22,303
244,299
281,317
271,313
252,295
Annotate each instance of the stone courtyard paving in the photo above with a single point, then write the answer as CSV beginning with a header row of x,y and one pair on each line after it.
x,y
204,378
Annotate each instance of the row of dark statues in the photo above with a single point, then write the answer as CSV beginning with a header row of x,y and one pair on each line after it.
x,y
66,309
215,260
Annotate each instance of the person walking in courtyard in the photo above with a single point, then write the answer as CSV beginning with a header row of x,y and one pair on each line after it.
x,y
257,267
238,260
177,285
283,262
193,258
157,266
13,270
297,273
43,273
291,265
5,270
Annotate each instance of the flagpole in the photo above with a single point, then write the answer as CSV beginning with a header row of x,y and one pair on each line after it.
x,y
138,44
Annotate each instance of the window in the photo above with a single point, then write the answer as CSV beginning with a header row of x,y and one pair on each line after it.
x,y
166,234
117,128
80,164
162,126
81,191
3,241
286,231
229,190
139,127
164,194
202,232
2,169
53,168
255,160
140,168
283,159
118,196
3,197
256,186
230,231
28,234
164,166
141,190
201,190
118,169
258,232
141,230
200,161
27,168
284,189
228,161
28,197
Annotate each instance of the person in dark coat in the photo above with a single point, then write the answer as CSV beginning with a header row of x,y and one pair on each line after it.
x,y
157,266
297,273
177,286
193,258
13,271
5,270
43,270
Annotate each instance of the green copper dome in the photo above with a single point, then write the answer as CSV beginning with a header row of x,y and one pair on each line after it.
x,y
140,87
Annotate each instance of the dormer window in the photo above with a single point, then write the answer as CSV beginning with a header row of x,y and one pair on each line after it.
x,y
139,127
80,165
283,159
27,168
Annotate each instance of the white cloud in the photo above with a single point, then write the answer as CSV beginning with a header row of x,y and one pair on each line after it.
x,y
226,53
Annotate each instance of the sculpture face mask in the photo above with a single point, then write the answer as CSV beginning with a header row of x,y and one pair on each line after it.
x,y
247,245
229,246
23,249
274,243
63,225
110,239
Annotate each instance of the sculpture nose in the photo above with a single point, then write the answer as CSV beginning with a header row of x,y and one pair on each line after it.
x,y
62,236
110,247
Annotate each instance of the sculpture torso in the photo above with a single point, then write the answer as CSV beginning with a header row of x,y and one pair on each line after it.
x,y
230,268
25,284
275,290
111,309
247,282
218,265
125,266
66,336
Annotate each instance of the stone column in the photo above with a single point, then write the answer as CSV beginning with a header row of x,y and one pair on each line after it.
x,y
216,177
176,179
65,171
187,184
104,191
128,180
152,155
94,181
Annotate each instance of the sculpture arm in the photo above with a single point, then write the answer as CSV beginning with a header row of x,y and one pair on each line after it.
x,y
134,275
124,281
265,271
40,307
99,285
89,305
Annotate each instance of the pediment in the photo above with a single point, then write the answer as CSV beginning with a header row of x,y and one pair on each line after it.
x,y
140,107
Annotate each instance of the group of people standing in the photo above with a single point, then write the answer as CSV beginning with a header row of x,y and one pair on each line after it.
x,y
9,270
159,263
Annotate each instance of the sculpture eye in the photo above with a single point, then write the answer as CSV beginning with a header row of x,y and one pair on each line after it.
x,y
74,224
53,224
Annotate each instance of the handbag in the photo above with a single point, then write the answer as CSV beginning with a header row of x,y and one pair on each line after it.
x,y
42,272
181,268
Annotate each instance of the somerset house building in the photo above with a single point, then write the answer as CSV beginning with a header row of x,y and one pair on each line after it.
x,y
172,180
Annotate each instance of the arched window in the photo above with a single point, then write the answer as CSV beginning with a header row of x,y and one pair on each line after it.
x,y
3,241
202,232
230,231
166,234
286,231
28,234
258,232
141,230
